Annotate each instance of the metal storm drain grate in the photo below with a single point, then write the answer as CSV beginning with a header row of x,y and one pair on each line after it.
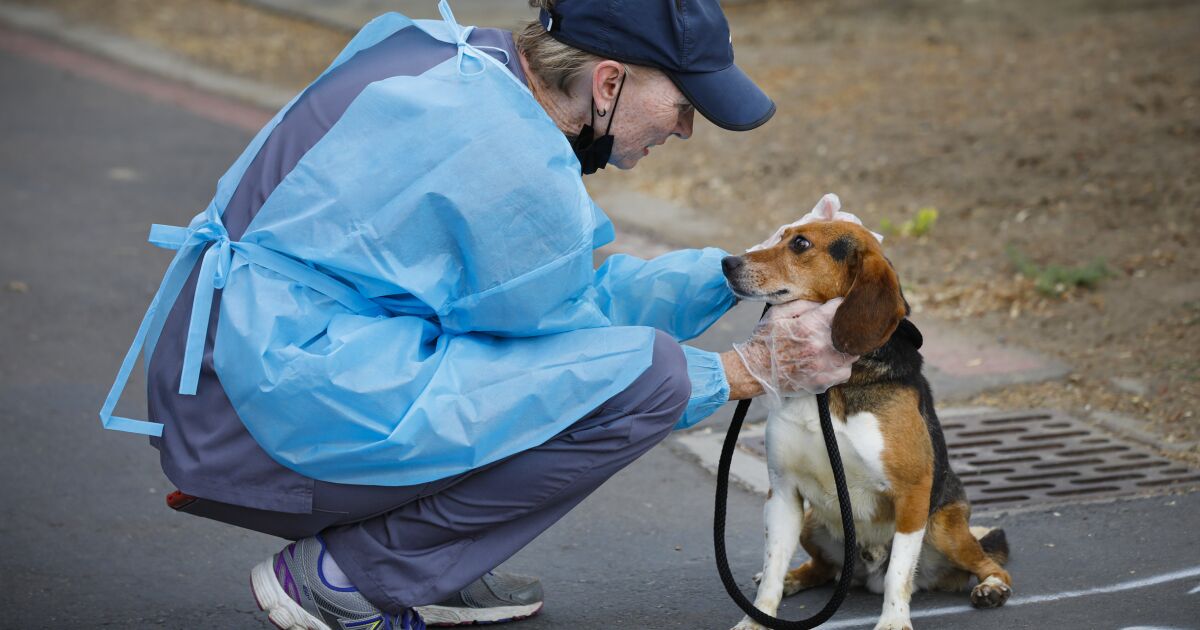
x,y
1012,458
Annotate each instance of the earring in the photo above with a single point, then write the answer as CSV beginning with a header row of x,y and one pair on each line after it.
x,y
602,113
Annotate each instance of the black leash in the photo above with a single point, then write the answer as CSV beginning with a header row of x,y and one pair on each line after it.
x,y
851,545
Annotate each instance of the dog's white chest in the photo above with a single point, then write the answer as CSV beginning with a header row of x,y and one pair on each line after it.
x,y
796,456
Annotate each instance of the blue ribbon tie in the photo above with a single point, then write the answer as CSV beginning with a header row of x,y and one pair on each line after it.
x,y
206,236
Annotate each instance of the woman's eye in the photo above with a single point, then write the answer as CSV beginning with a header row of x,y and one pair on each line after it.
x,y
800,244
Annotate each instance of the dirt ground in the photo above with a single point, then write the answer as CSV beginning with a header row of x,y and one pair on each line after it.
x,y
1063,133
1066,131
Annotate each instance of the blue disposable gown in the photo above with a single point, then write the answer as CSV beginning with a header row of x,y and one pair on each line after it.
x,y
417,298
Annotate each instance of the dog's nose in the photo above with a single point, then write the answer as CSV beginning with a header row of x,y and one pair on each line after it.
x,y
730,264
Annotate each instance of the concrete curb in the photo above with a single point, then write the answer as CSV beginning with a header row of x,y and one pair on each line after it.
x,y
747,470
350,16
142,56
1135,430
960,363
703,446
313,14
664,220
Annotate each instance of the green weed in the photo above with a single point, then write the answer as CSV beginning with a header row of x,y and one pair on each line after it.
x,y
1056,279
1193,316
919,225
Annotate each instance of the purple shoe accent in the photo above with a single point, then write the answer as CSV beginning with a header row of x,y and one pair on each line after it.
x,y
284,575
321,571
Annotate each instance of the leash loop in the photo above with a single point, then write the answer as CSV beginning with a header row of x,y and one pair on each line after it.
x,y
850,549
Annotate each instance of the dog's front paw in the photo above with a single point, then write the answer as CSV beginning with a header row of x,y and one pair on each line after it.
x,y
894,623
748,624
990,593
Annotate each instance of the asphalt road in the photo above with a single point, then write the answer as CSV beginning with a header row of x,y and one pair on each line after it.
x,y
86,540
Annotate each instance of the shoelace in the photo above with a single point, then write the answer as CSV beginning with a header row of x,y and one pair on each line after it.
x,y
410,619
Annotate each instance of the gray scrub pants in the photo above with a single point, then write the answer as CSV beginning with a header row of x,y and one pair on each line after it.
x,y
416,545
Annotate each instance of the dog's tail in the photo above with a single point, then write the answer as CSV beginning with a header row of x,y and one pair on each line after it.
x,y
994,543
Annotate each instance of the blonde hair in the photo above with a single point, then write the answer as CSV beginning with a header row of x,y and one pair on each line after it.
x,y
555,63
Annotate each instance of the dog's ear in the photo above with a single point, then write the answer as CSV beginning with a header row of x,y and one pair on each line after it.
x,y
871,311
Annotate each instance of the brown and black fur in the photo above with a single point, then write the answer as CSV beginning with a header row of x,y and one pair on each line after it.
x,y
830,259
875,377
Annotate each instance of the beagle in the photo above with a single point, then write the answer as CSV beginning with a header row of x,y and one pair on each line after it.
x,y
910,509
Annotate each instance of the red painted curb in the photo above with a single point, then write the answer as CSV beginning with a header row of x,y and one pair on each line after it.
x,y
203,104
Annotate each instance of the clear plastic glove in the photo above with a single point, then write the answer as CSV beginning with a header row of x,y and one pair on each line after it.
x,y
791,351
827,209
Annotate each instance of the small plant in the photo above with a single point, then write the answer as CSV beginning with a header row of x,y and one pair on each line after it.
x,y
1056,279
919,225
1193,316
922,223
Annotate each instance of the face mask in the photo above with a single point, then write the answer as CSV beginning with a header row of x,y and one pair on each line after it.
x,y
593,153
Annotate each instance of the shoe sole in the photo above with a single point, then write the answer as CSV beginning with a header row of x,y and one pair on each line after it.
x,y
281,609
446,616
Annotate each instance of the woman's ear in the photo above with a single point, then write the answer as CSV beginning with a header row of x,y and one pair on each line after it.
x,y
871,311
606,83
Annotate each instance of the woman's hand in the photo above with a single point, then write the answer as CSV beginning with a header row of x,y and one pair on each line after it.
x,y
790,353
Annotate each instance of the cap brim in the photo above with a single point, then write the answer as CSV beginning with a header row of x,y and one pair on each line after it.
x,y
727,98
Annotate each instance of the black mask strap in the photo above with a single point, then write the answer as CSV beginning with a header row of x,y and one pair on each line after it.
x,y
616,101
592,152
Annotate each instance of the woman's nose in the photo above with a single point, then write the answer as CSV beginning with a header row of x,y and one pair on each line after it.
x,y
684,128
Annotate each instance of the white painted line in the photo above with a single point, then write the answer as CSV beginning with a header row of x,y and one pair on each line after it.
x,y
1194,591
1036,599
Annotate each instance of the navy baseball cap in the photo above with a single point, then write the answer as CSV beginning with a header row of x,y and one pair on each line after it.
x,y
688,40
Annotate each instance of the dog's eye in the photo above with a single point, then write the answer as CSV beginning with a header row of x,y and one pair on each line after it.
x,y
799,244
